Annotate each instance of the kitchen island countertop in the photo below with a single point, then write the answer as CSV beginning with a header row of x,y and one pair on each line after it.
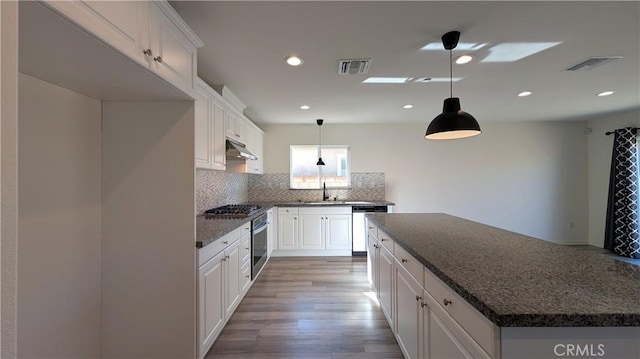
x,y
519,281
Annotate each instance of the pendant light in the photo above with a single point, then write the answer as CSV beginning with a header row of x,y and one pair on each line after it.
x,y
452,122
320,161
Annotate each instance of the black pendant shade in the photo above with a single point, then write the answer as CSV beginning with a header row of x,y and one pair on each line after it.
x,y
320,161
452,122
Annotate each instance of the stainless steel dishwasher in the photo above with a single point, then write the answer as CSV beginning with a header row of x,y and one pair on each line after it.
x,y
359,246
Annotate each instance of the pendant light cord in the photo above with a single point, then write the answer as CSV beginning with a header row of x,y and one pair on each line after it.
x,y
450,74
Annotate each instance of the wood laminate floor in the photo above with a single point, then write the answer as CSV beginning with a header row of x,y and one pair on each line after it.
x,y
308,307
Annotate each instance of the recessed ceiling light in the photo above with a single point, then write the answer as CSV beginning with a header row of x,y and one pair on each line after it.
x,y
525,93
464,59
606,93
514,51
294,60
305,107
387,80
408,106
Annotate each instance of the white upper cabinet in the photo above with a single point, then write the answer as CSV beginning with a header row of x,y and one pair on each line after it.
x,y
236,126
209,128
150,33
174,55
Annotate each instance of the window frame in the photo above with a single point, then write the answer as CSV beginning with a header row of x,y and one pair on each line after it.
x,y
347,170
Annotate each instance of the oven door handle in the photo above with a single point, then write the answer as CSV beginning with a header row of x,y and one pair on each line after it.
x,y
260,228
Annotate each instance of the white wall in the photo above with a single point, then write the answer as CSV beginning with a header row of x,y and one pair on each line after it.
x,y
148,248
8,177
600,148
528,177
59,222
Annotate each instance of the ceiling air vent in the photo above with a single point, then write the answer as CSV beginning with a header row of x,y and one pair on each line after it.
x,y
592,63
354,66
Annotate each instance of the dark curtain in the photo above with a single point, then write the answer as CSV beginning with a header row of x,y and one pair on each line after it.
x,y
621,230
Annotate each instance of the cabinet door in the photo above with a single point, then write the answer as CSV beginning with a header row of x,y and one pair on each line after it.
x,y
287,231
442,342
230,124
259,152
408,313
232,273
210,302
241,128
218,139
121,24
338,231
372,261
174,55
385,283
271,231
246,277
311,231
203,128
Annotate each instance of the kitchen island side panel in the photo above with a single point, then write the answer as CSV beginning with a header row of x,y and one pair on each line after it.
x,y
148,250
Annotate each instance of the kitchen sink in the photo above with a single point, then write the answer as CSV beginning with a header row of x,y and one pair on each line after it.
x,y
320,203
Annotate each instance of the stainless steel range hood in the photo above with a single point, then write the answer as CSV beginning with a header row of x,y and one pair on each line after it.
x,y
238,151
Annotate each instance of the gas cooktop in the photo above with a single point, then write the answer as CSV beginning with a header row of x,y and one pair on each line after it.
x,y
233,211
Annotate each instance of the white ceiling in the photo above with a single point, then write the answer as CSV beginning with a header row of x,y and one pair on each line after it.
x,y
246,43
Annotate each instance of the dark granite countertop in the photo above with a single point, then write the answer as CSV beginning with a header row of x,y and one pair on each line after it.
x,y
516,280
208,229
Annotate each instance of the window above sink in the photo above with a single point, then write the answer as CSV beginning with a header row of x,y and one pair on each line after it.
x,y
305,174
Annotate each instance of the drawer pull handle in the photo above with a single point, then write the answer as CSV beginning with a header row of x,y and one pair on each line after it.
x,y
422,304
247,248
404,260
446,302
418,298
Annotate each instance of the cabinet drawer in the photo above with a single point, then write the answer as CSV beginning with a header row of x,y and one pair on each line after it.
x,y
245,278
372,229
386,241
483,331
288,210
415,268
245,248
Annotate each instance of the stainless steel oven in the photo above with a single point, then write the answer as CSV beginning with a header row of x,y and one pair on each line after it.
x,y
258,243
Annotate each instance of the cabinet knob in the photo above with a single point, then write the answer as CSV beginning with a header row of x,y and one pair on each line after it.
x,y
295,217
247,276
237,135
382,239
376,246
422,304
404,260
147,52
418,298
446,302
247,248
225,242
371,227
158,59
226,257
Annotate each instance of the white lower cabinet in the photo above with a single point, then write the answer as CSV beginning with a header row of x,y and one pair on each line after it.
x,y
314,230
408,319
211,279
224,277
385,283
428,319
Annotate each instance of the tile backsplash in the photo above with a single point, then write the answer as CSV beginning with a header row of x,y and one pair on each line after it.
x,y
219,188
275,187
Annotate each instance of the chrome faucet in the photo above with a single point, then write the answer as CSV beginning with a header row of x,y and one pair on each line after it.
x,y
325,196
